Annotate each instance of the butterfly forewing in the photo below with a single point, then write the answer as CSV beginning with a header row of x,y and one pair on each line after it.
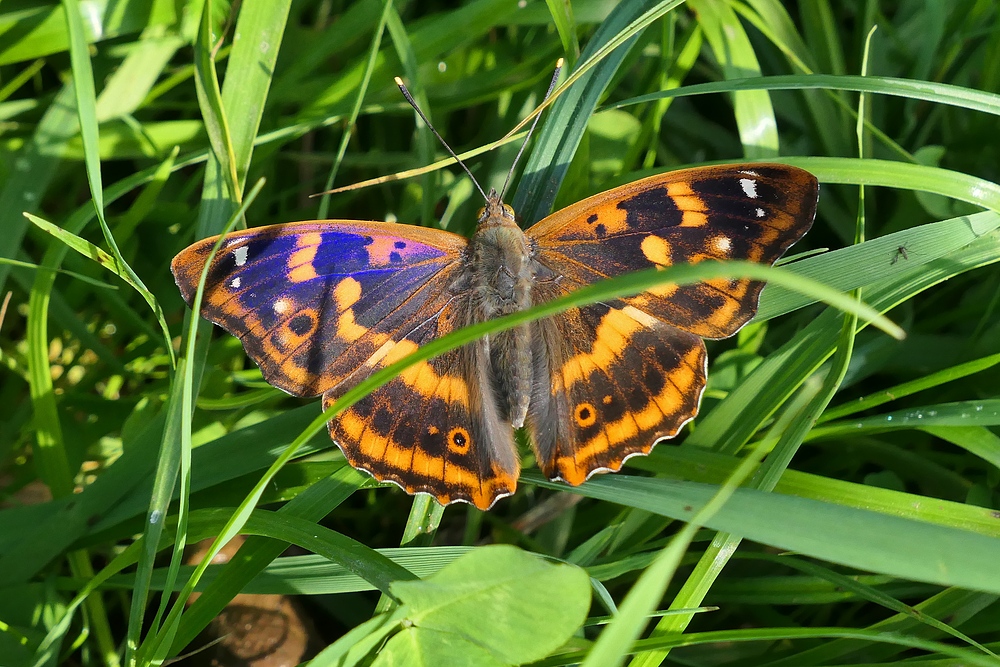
x,y
312,302
321,306
750,212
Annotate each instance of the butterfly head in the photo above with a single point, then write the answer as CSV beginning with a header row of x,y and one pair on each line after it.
x,y
496,213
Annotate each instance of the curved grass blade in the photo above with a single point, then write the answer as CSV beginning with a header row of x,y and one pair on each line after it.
x,y
928,91
65,272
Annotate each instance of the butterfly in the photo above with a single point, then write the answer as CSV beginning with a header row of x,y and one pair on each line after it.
x,y
321,305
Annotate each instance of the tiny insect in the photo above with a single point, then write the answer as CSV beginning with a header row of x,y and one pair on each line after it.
x,y
900,253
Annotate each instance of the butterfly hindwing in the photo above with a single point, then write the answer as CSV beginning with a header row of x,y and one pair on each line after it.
x,y
609,381
435,428
752,212
312,302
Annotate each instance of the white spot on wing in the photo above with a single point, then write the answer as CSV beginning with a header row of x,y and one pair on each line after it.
x,y
761,213
749,187
281,306
723,244
235,284
240,254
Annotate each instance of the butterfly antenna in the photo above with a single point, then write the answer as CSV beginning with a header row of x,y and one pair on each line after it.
x,y
524,144
413,103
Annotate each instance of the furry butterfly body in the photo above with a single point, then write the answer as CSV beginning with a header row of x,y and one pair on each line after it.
x,y
321,305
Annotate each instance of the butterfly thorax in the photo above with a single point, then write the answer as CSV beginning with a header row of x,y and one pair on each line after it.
x,y
500,261
500,272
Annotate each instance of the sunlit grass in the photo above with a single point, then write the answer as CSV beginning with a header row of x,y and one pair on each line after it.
x,y
890,510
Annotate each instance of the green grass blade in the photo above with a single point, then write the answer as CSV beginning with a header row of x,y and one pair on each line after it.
x,y
213,111
257,552
928,91
561,133
857,538
36,163
735,55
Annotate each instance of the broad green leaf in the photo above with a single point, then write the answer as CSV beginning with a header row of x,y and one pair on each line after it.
x,y
424,647
511,603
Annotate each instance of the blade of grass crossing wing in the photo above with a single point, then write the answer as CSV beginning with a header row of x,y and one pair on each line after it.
x,y
628,284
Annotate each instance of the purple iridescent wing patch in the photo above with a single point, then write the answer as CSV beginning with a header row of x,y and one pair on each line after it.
x,y
314,302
